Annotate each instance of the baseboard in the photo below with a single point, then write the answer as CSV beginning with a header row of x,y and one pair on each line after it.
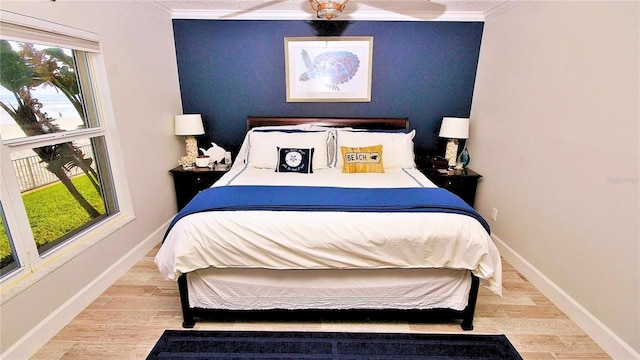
x,y
31,342
601,334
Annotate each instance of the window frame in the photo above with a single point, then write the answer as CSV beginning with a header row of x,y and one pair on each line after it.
x,y
33,266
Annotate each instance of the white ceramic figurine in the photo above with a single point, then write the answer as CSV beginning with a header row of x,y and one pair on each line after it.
x,y
215,152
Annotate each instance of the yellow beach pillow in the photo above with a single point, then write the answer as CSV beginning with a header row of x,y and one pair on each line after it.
x,y
362,159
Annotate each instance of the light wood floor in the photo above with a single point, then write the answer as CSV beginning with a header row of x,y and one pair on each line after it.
x,y
127,320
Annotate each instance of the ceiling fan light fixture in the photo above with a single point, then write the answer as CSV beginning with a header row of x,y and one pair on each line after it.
x,y
328,9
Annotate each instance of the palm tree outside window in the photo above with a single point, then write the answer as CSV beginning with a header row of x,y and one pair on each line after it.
x,y
57,153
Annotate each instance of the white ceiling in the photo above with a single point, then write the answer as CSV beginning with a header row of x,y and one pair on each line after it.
x,y
411,10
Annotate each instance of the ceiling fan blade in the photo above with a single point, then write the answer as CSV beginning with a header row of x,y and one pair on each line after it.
x,y
249,10
354,9
412,9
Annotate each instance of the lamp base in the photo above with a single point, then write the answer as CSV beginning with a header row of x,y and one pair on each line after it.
x,y
451,153
191,146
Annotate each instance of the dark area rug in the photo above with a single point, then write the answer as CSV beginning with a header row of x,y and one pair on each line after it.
x,y
185,344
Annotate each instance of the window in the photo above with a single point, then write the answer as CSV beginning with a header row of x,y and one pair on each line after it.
x,y
56,164
8,262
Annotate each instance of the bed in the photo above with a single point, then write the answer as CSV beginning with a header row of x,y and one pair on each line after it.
x,y
328,214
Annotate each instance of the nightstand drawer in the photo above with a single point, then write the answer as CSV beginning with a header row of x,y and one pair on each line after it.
x,y
202,181
460,182
457,182
188,183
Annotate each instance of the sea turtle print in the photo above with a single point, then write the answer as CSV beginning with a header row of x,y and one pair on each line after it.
x,y
331,68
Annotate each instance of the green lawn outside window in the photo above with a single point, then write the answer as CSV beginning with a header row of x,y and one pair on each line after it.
x,y
53,212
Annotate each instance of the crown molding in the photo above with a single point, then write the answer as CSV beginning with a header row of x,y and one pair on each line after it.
x,y
157,6
502,7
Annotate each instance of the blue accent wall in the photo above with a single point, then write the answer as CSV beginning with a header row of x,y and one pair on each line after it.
x,y
230,69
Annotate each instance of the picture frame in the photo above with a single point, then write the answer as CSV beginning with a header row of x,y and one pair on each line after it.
x,y
328,69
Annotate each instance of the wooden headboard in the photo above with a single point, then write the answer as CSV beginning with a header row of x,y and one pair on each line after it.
x,y
359,123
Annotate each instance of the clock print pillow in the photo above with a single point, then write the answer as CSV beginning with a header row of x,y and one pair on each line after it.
x,y
295,160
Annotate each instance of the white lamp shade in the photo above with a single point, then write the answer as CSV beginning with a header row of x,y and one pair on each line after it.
x,y
189,124
454,128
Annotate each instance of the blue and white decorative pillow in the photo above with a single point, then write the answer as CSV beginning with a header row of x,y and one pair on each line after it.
x,y
295,160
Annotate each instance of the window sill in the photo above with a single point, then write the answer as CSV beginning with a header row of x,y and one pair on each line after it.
x,y
23,278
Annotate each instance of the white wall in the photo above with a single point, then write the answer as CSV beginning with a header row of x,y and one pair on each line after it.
x,y
139,53
555,132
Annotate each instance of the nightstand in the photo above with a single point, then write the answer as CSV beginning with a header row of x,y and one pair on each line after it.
x,y
460,182
188,183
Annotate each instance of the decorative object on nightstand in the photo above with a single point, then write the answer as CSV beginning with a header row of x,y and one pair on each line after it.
x,y
189,125
215,152
226,162
189,182
203,161
220,158
433,162
453,128
463,158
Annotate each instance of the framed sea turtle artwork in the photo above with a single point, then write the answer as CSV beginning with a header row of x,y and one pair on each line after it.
x,y
328,69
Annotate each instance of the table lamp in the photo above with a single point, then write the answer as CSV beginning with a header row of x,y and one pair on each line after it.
x,y
453,128
189,125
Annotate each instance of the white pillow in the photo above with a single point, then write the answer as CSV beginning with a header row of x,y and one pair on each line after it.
x,y
397,147
263,147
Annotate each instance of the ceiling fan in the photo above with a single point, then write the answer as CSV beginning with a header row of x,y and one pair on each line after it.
x,y
331,9
324,9
328,9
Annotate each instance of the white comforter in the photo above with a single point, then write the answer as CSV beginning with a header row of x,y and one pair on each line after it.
x,y
328,240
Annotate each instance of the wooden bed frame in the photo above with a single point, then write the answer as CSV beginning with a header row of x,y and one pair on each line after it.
x,y
190,314
359,123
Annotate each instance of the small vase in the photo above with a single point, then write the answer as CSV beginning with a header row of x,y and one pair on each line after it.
x,y
464,157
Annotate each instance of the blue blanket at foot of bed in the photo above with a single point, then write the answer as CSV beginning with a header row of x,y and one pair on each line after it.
x,y
311,198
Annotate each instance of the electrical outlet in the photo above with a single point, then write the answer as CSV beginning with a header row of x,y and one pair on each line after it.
x,y
494,214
